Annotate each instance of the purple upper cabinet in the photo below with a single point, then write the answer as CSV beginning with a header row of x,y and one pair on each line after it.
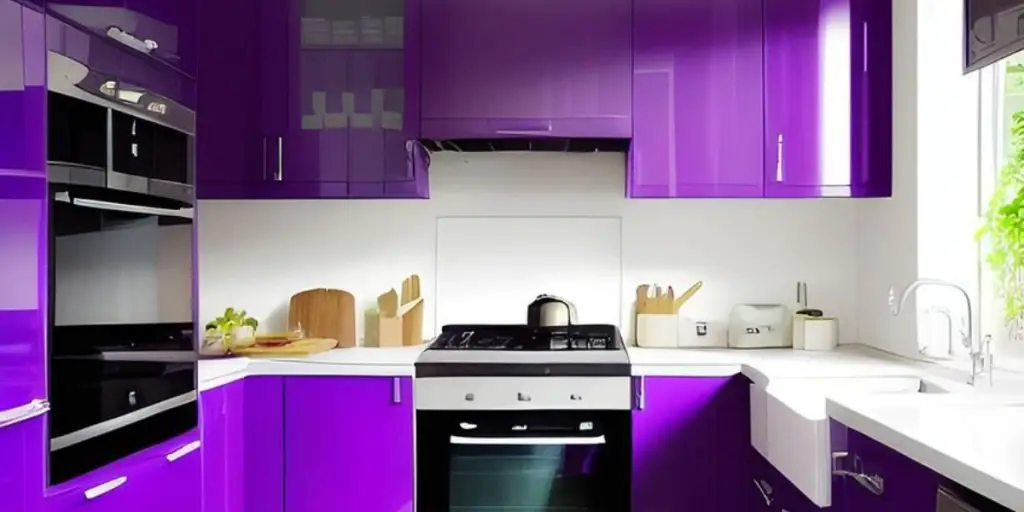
x,y
827,98
906,485
23,208
691,442
697,99
23,471
352,112
222,417
165,30
231,147
22,90
354,454
504,68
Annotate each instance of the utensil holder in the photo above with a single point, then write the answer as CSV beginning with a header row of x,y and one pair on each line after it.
x,y
657,331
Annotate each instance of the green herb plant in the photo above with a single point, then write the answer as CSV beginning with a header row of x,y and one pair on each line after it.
x,y
1003,228
230,320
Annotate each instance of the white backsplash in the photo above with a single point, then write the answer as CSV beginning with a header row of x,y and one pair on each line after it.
x,y
508,226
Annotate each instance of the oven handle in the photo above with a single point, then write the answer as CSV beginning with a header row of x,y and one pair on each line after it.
x,y
521,441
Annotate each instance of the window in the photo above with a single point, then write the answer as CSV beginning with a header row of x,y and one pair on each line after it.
x,y
1001,95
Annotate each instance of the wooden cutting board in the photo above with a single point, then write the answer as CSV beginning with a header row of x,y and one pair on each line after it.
x,y
301,347
324,313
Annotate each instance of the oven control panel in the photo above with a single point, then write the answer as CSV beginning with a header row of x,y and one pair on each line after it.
x,y
523,393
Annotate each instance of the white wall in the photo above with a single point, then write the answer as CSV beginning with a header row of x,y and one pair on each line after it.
x,y
256,254
926,229
138,274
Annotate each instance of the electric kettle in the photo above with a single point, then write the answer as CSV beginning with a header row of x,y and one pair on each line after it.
x,y
550,311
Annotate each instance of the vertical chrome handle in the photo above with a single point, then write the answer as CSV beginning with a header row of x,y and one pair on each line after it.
x,y
396,390
280,159
264,161
778,159
641,400
765,491
864,45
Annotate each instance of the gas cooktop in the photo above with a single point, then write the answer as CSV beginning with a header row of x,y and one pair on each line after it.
x,y
525,338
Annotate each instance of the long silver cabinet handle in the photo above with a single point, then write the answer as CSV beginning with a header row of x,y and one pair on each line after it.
x,y
183,451
280,159
396,390
779,164
864,44
105,487
25,412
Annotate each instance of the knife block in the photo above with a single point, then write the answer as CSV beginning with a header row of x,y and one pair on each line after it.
x,y
403,329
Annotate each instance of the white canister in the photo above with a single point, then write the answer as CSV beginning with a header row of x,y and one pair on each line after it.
x,y
819,333
657,331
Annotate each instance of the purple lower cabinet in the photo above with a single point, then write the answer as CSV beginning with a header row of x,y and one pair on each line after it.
x,y
771,490
691,443
827,94
23,263
906,485
22,90
222,422
526,68
697,99
23,470
348,444
263,462
162,478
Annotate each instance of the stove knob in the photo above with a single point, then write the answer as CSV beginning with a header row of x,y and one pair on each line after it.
x,y
523,397
469,397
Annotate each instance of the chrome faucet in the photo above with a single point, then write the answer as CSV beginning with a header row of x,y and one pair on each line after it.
x,y
981,357
945,313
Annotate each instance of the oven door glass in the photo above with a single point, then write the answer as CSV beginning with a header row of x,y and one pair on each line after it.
x,y
523,461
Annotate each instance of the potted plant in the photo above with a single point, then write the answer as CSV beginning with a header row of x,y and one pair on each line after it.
x,y
1003,228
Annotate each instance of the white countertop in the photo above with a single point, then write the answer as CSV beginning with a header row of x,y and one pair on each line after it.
x,y
975,439
967,435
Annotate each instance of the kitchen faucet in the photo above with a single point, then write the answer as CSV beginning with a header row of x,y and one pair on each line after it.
x,y
981,358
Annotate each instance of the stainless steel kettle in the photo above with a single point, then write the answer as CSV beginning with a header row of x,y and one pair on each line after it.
x,y
550,311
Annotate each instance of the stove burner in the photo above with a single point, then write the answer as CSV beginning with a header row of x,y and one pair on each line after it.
x,y
521,337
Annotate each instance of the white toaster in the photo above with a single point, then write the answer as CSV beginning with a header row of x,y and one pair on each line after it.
x,y
760,326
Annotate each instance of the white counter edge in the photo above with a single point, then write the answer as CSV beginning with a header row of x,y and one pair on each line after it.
x,y
1001,492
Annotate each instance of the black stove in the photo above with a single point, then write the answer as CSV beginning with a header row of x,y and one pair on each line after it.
x,y
525,338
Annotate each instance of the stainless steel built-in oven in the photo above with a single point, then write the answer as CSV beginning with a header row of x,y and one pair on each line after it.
x,y
122,363
523,461
522,419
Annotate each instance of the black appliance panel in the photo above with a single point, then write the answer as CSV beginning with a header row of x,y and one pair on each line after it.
x,y
523,460
522,337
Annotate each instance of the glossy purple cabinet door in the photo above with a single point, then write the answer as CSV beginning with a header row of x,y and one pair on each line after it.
x,y
157,479
908,486
352,115
160,30
231,150
507,68
23,208
697,99
22,90
691,441
818,95
23,471
222,419
770,490
349,444
263,462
